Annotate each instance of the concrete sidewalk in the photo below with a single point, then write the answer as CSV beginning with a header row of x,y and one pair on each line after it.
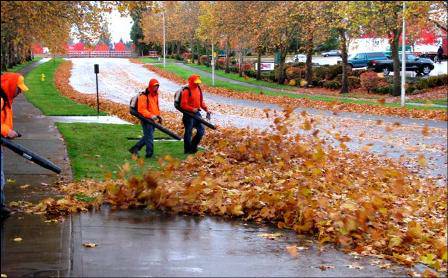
x,y
141,242
43,250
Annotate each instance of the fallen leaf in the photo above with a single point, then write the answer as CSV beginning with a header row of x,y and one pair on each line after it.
x,y
25,186
90,244
4,275
44,184
325,267
292,250
355,266
422,160
17,239
11,181
425,130
271,236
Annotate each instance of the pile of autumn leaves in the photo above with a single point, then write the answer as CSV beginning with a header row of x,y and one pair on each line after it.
x,y
364,204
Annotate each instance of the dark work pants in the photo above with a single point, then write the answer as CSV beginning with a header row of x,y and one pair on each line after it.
x,y
191,146
148,139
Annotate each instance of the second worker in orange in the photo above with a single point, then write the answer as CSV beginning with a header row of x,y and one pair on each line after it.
x,y
148,107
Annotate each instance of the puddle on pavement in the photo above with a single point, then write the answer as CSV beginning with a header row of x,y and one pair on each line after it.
x,y
90,119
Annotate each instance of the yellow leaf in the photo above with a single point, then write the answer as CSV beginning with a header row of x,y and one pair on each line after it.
x,y
422,160
428,259
395,241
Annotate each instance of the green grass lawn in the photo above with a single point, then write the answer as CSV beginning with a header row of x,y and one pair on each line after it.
x,y
45,96
156,60
19,67
442,101
97,149
185,73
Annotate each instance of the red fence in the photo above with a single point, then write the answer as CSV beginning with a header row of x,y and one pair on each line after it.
x,y
95,54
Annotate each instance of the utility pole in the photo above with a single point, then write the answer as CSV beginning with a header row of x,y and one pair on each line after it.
x,y
213,65
403,58
164,48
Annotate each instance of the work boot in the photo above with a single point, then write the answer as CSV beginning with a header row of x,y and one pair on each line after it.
x,y
5,212
134,150
148,156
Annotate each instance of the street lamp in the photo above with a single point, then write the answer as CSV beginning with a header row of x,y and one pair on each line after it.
x,y
403,58
213,65
164,48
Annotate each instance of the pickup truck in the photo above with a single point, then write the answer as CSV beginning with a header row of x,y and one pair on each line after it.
x,y
413,63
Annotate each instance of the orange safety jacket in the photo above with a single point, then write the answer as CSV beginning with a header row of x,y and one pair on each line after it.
x,y
148,103
9,87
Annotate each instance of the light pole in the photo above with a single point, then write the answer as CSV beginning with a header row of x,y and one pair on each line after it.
x,y
213,65
164,49
403,58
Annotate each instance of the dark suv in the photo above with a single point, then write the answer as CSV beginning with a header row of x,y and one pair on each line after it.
x,y
413,63
360,60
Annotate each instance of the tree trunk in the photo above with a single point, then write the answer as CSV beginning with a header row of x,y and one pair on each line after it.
x,y
240,69
178,48
309,59
259,64
281,66
192,50
227,57
395,58
345,85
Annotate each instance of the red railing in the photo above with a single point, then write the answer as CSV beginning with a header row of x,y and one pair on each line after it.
x,y
98,54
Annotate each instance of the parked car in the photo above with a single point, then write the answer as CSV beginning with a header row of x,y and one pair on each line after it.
x,y
299,58
360,60
419,65
336,53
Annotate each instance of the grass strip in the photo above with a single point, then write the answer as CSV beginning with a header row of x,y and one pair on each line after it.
x,y
98,149
44,95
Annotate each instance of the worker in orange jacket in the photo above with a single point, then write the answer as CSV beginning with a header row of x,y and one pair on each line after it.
x,y
192,100
148,107
12,84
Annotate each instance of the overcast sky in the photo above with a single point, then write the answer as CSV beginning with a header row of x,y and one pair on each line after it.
x,y
119,27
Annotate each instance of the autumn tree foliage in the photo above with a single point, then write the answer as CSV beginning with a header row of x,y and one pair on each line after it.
x,y
384,18
49,22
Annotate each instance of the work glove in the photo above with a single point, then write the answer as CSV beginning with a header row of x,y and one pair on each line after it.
x,y
209,116
12,134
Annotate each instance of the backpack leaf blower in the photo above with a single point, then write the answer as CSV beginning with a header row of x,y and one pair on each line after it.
x,y
156,125
27,154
